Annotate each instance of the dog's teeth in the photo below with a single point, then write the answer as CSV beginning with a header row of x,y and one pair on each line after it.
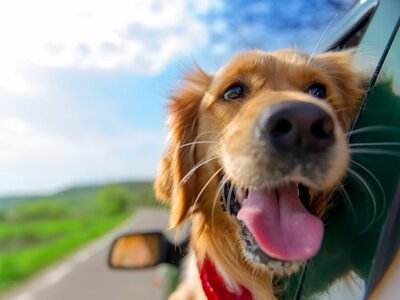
x,y
241,194
252,189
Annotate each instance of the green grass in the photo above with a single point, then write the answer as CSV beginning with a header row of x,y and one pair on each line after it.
x,y
83,196
48,242
36,231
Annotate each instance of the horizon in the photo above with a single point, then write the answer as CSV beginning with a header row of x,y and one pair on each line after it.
x,y
69,186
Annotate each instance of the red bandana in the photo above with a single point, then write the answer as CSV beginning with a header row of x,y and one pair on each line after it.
x,y
214,286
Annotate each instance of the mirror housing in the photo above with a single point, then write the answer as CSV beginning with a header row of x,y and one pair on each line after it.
x,y
139,250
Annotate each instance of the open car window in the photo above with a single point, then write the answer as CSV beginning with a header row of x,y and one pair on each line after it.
x,y
356,228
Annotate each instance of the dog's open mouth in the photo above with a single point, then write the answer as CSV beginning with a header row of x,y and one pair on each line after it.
x,y
275,221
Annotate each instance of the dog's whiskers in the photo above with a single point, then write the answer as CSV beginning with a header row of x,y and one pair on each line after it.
x,y
356,148
374,144
195,143
195,140
377,182
191,172
348,202
368,148
204,187
219,190
320,39
206,132
373,128
374,152
364,184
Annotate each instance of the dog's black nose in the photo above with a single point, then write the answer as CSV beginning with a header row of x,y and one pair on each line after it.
x,y
298,126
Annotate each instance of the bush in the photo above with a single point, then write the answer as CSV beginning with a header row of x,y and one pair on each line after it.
x,y
40,209
113,199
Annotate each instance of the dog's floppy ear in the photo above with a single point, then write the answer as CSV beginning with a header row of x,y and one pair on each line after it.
x,y
340,67
171,185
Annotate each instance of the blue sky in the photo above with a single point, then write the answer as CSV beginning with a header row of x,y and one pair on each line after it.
x,y
83,84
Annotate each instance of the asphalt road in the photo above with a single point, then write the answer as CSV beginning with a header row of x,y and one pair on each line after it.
x,y
85,274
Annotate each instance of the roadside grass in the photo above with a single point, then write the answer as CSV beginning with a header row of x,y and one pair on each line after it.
x,y
21,257
38,231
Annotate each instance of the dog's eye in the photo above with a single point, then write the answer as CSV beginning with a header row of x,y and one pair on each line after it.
x,y
233,92
317,90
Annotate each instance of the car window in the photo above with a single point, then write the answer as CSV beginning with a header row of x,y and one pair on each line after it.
x,y
349,31
389,82
355,226
354,34
342,269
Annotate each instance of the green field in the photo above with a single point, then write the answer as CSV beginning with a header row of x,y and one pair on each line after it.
x,y
37,231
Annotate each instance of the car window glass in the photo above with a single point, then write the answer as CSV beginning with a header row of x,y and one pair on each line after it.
x,y
354,225
353,231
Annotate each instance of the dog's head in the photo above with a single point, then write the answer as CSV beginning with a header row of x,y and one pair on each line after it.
x,y
266,136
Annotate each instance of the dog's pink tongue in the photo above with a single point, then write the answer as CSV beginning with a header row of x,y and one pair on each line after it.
x,y
281,225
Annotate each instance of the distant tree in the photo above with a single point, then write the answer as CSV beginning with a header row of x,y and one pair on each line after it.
x,y
40,209
113,199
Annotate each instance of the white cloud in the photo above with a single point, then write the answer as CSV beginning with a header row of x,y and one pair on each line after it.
x,y
58,138
140,36
35,159
52,136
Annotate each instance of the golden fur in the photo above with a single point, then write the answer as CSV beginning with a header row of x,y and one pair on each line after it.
x,y
223,130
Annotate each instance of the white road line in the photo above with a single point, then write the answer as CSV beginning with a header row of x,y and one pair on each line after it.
x,y
24,296
82,256
58,274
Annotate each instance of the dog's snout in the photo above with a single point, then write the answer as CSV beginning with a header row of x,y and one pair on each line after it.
x,y
298,126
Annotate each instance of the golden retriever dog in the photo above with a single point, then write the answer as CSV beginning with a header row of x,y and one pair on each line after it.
x,y
254,152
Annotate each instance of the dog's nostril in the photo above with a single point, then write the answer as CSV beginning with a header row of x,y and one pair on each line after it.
x,y
280,128
297,127
322,129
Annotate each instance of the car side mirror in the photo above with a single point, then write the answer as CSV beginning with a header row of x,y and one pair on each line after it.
x,y
144,250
